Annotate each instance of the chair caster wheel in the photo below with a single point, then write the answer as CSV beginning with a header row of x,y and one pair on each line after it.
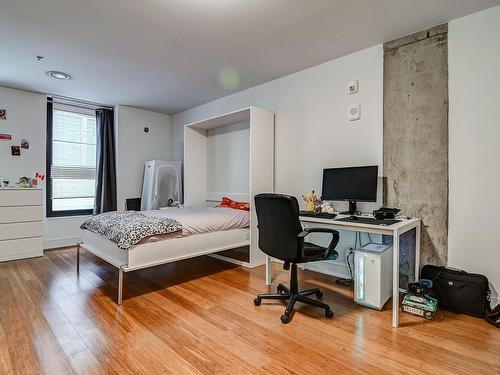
x,y
285,318
280,289
319,294
257,301
329,313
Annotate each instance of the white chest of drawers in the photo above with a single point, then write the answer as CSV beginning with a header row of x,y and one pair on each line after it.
x,y
21,223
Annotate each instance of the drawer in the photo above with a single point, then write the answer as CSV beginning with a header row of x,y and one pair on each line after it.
x,y
20,214
21,197
20,230
19,249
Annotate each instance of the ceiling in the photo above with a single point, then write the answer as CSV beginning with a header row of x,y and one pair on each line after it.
x,y
170,55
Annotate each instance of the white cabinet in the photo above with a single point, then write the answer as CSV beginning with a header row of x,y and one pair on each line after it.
x,y
21,223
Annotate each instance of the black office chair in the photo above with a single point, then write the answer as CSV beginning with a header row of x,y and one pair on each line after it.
x,y
281,236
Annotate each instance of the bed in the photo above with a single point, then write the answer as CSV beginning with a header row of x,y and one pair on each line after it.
x,y
204,231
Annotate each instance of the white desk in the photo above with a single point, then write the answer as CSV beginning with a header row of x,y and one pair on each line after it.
x,y
395,230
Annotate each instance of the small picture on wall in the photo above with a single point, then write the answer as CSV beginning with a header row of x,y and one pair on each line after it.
x,y
5,137
3,114
16,150
25,143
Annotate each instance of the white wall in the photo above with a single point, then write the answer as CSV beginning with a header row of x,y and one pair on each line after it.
x,y
312,129
26,118
228,162
134,147
311,126
474,147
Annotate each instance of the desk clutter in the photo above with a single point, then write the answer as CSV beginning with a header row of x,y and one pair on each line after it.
x,y
417,300
23,182
461,292
454,290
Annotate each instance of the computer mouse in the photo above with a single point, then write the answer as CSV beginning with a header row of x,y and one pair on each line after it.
x,y
352,217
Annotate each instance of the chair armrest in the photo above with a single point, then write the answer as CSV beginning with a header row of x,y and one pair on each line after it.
x,y
307,231
333,243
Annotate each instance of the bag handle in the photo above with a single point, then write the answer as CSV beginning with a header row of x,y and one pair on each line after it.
x,y
454,269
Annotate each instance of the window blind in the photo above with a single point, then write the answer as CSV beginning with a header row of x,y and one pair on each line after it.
x,y
73,158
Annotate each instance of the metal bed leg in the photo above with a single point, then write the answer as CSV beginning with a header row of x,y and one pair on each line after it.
x,y
120,286
78,257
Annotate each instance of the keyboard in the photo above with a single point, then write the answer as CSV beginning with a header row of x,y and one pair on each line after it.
x,y
370,220
319,215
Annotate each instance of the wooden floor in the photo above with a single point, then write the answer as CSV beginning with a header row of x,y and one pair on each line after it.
x,y
197,316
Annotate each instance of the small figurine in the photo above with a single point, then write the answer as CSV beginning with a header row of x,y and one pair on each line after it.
x,y
310,200
24,182
326,206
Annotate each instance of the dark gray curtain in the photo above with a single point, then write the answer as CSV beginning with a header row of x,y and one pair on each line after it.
x,y
105,194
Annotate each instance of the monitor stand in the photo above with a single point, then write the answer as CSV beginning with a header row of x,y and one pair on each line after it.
x,y
352,209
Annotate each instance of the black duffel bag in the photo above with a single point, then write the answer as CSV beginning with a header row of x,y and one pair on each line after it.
x,y
459,291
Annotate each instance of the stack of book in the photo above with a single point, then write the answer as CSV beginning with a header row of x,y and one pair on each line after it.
x,y
420,305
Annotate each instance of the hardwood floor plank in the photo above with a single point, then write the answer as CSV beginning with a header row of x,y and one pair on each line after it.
x,y
118,338
203,352
34,307
20,343
6,366
197,317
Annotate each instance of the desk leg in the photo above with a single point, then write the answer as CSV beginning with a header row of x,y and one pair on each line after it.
x,y
417,252
268,270
395,279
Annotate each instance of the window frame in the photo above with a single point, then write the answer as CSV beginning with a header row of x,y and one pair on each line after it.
x,y
48,164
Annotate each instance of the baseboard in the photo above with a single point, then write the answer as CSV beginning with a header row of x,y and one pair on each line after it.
x,y
21,256
330,268
61,242
230,260
325,267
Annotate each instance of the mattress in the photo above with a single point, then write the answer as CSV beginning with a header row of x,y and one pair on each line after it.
x,y
198,220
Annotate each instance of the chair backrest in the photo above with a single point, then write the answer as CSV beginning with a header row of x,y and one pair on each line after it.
x,y
279,225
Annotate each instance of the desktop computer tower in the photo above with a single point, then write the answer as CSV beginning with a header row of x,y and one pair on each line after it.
x,y
373,275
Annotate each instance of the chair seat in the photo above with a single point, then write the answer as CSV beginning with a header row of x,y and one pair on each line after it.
x,y
313,250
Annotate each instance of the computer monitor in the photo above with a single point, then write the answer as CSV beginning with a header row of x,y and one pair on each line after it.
x,y
353,184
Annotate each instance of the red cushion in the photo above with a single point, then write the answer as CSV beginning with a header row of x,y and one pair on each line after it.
x,y
226,202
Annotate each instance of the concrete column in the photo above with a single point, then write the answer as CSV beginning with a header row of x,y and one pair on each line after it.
x,y
416,134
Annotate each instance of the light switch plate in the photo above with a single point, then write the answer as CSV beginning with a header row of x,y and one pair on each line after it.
x,y
354,113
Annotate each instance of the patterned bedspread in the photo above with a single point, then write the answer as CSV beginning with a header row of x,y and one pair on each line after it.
x,y
128,228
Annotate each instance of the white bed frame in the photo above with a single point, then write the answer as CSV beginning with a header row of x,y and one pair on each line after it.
x,y
155,253
261,179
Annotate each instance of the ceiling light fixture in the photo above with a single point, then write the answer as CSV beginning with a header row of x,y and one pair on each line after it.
x,y
58,75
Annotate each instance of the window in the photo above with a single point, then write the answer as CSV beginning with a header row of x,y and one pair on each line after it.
x,y
71,160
